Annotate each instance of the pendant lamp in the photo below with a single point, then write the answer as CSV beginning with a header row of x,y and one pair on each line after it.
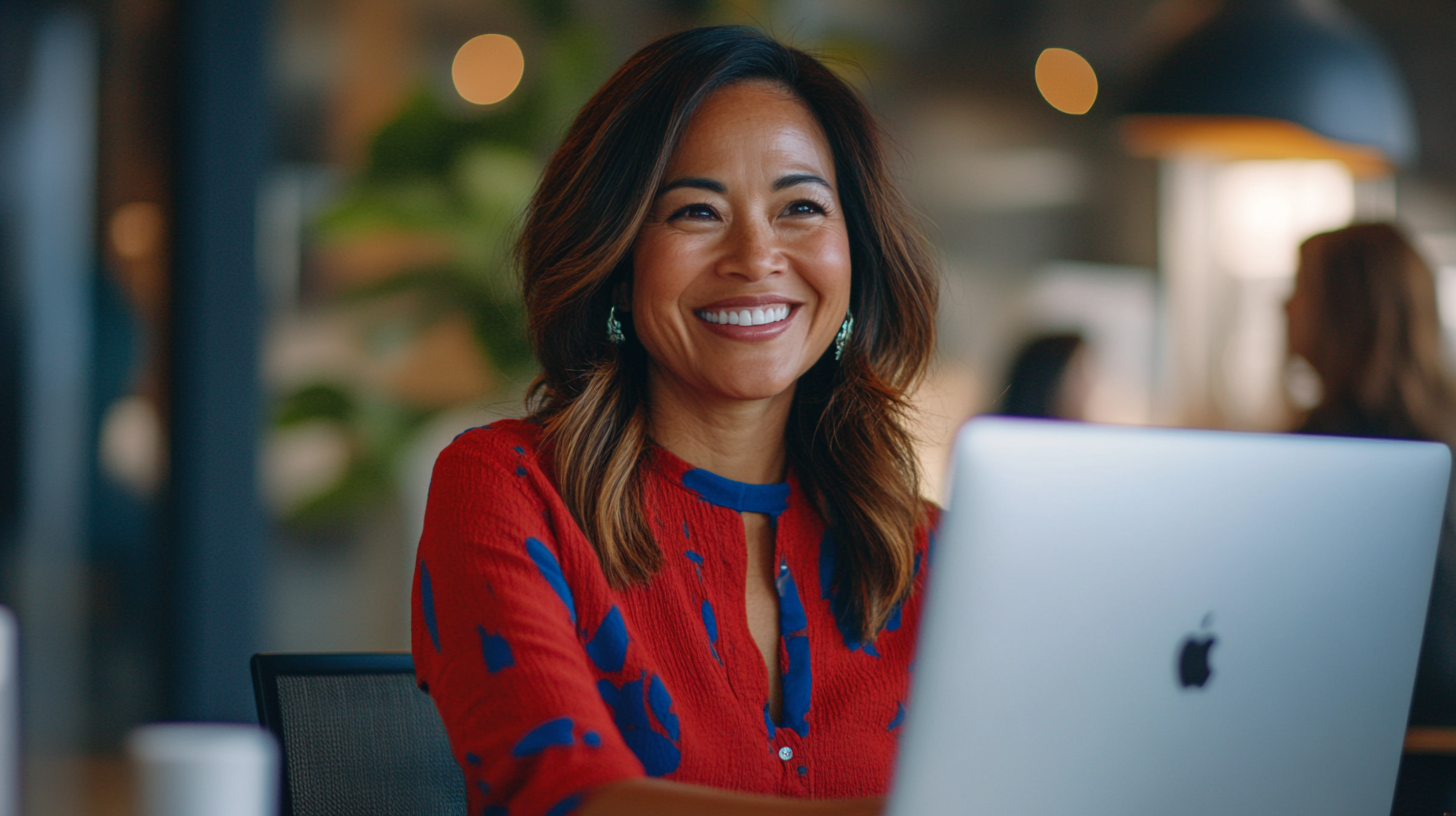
x,y
1272,79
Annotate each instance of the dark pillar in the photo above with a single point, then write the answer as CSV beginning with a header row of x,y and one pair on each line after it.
x,y
217,547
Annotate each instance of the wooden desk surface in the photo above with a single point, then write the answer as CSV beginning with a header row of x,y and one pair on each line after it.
x,y
1431,741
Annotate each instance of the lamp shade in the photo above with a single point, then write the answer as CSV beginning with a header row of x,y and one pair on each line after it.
x,y
1301,72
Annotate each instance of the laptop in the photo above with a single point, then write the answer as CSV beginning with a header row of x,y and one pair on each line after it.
x,y
1138,621
9,714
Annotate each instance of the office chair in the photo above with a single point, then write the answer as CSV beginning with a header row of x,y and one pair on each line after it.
x,y
358,738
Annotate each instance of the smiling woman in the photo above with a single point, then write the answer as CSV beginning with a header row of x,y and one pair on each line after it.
x,y
748,224
718,270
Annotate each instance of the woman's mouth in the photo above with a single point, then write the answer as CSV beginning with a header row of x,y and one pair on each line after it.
x,y
756,316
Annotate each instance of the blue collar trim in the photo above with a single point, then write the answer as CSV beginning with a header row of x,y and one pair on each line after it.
x,y
771,499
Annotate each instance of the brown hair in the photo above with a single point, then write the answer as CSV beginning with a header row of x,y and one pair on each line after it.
x,y
846,438
1376,335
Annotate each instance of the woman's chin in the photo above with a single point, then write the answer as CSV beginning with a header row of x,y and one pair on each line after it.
x,y
743,392
751,387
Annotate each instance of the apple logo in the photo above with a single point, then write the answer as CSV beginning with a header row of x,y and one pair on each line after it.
x,y
1193,668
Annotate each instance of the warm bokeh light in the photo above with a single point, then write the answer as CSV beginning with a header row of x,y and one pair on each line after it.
x,y
1236,138
136,230
1066,80
488,68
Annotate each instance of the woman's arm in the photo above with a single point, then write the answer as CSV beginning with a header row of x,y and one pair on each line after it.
x,y
656,797
495,640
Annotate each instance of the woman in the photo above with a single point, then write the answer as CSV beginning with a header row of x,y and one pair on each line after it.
x,y
1049,379
718,270
1363,315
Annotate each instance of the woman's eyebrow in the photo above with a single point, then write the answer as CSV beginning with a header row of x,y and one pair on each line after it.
x,y
800,178
695,183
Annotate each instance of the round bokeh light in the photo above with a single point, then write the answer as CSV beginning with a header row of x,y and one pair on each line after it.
x,y
1066,80
488,68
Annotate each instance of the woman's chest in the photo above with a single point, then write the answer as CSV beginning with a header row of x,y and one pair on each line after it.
x,y
677,663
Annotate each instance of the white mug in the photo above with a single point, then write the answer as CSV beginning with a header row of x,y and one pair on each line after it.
x,y
204,769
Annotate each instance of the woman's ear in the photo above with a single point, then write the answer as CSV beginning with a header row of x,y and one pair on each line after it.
x,y
622,295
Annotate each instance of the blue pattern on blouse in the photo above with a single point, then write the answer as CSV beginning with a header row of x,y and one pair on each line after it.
x,y
745,498
496,650
550,569
427,606
898,718
608,647
659,754
798,675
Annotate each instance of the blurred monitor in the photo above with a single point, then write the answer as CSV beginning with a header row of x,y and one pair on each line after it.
x,y
1134,620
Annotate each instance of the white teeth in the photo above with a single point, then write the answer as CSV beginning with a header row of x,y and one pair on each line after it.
x,y
746,317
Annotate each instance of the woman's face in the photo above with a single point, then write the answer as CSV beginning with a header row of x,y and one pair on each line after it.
x,y
741,273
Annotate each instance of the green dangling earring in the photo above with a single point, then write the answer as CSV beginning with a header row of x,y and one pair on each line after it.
x,y
614,328
843,337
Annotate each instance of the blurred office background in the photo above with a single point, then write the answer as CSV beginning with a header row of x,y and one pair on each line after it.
x,y
254,276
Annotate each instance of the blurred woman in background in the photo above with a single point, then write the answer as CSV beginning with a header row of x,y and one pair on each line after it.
x,y
1364,316
1050,378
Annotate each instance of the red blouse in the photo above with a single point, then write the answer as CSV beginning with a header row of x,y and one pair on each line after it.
x,y
551,683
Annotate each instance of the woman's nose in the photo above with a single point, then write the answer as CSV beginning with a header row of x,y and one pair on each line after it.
x,y
753,252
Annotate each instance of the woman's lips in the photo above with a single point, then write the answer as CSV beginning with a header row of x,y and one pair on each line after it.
x,y
748,322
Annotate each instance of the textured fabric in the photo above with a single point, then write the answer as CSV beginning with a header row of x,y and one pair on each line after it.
x,y
365,745
550,683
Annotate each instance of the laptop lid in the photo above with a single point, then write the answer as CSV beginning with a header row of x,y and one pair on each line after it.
x,y
9,714
1134,620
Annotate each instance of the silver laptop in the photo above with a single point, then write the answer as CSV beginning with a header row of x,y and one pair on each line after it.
x,y
1150,621
9,714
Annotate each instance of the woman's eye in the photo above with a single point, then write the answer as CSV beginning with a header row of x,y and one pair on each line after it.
x,y
694,211
804,208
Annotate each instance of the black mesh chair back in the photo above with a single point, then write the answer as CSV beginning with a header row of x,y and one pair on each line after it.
x,y
358,737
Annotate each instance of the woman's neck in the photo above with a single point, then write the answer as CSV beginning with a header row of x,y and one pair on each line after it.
x,y
737,439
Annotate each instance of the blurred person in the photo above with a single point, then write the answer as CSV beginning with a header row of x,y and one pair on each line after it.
x,y
1364,316
689,580
1050,377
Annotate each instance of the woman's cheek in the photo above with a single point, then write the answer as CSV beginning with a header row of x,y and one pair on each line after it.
x,y
828,262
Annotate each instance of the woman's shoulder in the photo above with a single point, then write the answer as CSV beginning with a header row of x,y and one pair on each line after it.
x,y
489,485
925,533
930,514
504,449
513,437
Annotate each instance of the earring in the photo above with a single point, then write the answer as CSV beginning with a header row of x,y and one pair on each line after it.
x,y
843,337
614,328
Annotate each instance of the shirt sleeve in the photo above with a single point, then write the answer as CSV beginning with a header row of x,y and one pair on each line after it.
x,y
495,638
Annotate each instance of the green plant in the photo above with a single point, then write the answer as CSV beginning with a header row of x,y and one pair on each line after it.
x,y
462,181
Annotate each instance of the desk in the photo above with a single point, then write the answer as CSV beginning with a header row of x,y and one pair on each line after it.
x,y
1428,740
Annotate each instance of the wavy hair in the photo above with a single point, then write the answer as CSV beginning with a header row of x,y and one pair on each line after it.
x,y
1377,335
847,439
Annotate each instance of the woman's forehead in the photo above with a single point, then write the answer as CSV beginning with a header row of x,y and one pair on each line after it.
x,y
755,121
